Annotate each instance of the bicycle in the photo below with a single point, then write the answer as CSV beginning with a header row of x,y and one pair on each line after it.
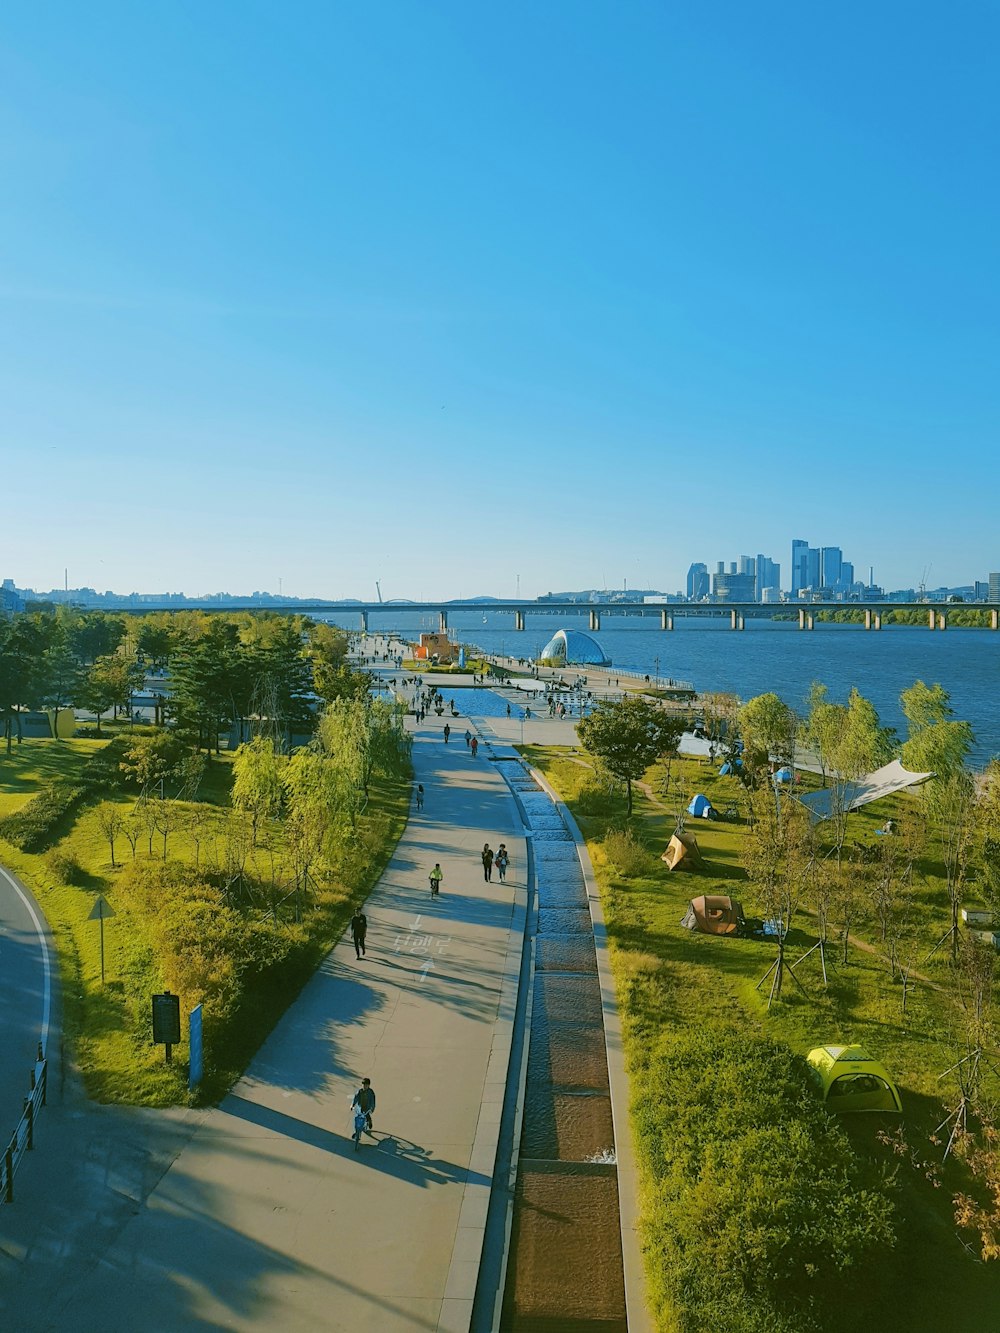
x,y
360,1125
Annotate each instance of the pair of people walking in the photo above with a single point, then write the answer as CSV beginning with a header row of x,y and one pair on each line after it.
x,y
471,741
498,860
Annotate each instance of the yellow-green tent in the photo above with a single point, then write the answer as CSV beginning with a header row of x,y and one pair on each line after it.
x,y
852,1080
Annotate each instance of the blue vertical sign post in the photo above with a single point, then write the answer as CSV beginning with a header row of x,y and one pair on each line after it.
x,y
196,1063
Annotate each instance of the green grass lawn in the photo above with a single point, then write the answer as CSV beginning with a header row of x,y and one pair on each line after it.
x,y
37,761
107,1025
669,978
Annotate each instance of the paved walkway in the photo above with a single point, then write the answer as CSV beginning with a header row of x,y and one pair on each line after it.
x,y
259,1214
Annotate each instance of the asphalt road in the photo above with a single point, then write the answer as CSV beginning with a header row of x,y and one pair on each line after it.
x,y
25,996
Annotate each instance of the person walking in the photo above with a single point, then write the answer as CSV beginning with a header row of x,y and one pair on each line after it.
x,y
508,710
447,732
468,736
501,861
419,795
436,876
359,929
473,746
487,856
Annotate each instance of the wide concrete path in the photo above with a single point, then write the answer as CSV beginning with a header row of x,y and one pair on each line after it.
x,y
264,1217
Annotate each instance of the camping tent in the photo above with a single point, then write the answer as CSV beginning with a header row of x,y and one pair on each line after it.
x,y
730,767
683,852
783,775
852,1080
700,807
713,914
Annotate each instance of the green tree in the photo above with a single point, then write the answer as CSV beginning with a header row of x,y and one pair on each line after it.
x,y
61,672
628,735
149,760
935,741
861,746
108,684
823,726
767,726
257,786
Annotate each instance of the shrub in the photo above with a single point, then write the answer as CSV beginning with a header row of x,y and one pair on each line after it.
x,y
757,1200
66,868
595,799
626,853
38,824
35,826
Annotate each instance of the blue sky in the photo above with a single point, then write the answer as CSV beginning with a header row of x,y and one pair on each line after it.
x,y
451,294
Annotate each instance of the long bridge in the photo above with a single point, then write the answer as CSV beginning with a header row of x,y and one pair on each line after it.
x,y
667,612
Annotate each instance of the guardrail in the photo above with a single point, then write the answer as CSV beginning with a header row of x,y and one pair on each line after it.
x,y
23,1138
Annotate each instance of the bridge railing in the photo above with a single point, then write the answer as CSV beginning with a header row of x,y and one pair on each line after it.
x,y
23,1138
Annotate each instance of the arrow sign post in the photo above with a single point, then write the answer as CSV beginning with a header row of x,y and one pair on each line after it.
x,y
102,909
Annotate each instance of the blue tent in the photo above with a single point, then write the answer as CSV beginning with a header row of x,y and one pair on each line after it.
x,y
783,775
728,768
700,806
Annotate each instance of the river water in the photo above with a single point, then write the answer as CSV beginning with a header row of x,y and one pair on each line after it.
x,y
767,655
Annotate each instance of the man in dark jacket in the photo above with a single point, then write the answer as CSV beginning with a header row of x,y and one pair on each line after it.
x,y
359,929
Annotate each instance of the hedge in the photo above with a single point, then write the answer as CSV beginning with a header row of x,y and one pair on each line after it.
x,y
40,823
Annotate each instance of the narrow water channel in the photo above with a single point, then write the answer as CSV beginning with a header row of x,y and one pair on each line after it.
x,y
565,1269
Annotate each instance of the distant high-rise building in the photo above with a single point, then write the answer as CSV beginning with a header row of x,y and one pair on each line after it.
x,y
812,567
981,591
846,573
800,558
768,576
697,582
995,587
748,565
720,567
831,558
733,587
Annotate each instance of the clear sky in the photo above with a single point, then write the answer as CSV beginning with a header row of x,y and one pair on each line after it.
x,y
451,294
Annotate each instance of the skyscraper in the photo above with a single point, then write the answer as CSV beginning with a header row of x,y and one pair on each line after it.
x,y
697,582
768,574
831,558
800,554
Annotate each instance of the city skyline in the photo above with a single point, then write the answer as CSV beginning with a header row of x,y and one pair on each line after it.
x,y
450,309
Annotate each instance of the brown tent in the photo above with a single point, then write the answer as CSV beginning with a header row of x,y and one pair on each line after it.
x,y
683,853
713,914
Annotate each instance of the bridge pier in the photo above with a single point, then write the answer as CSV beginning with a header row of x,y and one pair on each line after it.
x,y
802,617
868,617
364,622
519,620
741,623
942,620
667,620
595,620
995,620
810,620
932,619
733,620
877,622
442,622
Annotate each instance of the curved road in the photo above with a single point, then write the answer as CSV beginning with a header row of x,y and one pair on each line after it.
x,y
25,994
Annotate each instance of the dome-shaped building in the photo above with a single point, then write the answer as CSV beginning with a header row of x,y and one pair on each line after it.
x,y
571,647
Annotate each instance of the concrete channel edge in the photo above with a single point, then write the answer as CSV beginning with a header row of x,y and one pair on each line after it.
x,y
636,1297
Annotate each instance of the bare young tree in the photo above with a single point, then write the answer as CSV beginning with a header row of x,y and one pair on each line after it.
x,y
132,829
110,821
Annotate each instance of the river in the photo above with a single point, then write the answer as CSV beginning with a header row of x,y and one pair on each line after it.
x,y
767,655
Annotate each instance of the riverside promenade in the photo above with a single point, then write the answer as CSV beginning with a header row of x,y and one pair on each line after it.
x,y
259,1214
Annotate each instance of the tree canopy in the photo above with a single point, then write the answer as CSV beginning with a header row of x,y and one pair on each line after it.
x,y
628,735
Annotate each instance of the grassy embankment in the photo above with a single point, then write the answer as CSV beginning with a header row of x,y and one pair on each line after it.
x,y
670,980
107,1027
